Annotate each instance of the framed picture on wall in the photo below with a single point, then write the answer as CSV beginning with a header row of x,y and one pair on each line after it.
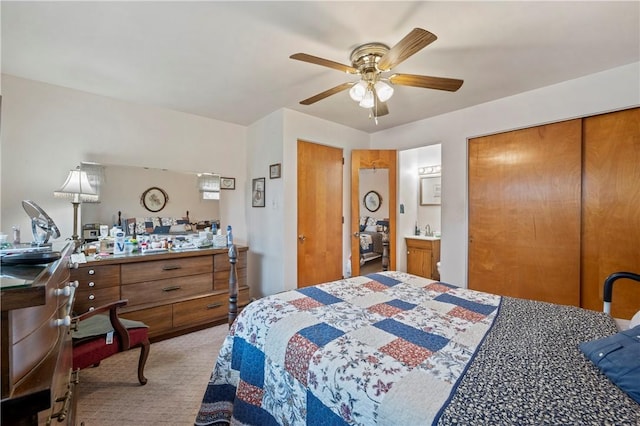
x,y
274,171
227,183
430,191
258,192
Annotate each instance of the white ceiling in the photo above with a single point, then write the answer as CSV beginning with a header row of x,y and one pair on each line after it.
x,y
230,60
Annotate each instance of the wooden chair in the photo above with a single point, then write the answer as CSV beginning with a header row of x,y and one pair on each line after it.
x,y
91,343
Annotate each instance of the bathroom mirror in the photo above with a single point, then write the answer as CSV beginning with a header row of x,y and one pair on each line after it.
x,y
430,191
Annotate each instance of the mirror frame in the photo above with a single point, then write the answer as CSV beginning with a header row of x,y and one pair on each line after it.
x,y
430,190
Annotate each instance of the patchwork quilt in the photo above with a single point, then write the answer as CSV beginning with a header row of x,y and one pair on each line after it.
x,y
355,351
393,348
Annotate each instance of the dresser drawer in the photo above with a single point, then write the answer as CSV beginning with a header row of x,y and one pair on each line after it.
x,y
206,309
221,261
243,296
162,269
97,276
87,299
200,310
221,279
166,290
158,319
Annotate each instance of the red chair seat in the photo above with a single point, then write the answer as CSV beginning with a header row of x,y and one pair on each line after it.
x,y
91,351
90,341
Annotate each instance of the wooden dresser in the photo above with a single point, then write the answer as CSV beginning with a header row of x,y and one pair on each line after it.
x,y
423,256
38,385
173,292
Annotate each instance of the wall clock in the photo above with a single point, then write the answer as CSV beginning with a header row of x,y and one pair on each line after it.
x,y
372,201
154,199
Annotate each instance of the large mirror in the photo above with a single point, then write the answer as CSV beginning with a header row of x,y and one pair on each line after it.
x,y
128,192
374,217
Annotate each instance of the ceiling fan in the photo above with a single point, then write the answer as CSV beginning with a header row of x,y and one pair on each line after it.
x,y
371,61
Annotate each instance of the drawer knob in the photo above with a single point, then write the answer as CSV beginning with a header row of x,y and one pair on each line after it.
x,y
91,284
214,305
63,322
172,288
91,272
65,291
92,296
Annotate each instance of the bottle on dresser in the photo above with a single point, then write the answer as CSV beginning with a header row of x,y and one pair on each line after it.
x,y
229,236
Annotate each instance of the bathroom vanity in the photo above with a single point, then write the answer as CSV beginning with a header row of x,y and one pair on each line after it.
x,y
423,255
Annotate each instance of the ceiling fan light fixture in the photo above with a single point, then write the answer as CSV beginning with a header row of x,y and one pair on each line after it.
x,y
384,91
367,101
358,91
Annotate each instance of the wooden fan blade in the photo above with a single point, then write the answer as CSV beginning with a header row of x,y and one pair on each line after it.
x,y
326,93
324,62
413,42
379,108
439,83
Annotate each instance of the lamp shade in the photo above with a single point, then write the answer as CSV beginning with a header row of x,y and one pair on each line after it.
x,y
384,91
77,188
358,90
367,100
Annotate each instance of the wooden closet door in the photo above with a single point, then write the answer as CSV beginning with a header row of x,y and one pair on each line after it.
x,y
524,213
611,209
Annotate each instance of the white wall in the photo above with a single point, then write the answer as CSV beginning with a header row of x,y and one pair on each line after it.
x,y
611,90
273,239
48,130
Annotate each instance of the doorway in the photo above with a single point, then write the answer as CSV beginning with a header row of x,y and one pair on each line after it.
x,y
412,214
320,220
373,209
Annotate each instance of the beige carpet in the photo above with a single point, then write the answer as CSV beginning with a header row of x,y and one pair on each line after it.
x,y
177,370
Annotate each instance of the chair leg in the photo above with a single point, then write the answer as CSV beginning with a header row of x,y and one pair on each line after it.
x,y
144,354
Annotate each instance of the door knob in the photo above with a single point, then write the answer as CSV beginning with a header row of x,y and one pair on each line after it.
x,y
302,237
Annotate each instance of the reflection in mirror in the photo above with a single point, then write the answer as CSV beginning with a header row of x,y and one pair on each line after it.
x,y
374,217
129,192
430,190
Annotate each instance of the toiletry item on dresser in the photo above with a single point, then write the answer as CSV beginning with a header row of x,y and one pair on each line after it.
x,y
16,234
118,246
229,236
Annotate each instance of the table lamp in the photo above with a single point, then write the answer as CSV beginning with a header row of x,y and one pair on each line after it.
x,y
78,189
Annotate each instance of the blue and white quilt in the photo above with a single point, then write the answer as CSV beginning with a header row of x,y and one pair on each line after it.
x,y
356,351
396,349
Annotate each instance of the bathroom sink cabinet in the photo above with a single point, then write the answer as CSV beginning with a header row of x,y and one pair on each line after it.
x,y
423,256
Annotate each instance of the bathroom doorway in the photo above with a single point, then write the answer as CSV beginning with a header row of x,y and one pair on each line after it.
x,y
414,214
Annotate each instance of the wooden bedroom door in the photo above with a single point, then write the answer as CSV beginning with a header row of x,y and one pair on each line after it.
x,y
524,213
320,219
372,159
611,209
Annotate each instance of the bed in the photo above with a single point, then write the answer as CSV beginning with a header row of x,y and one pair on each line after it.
x,y
371,239
393,348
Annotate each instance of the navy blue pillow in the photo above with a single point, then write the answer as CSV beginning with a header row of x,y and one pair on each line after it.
x,y
618,357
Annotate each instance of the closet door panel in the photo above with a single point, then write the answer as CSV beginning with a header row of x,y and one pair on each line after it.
x,y
524,213
611,209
